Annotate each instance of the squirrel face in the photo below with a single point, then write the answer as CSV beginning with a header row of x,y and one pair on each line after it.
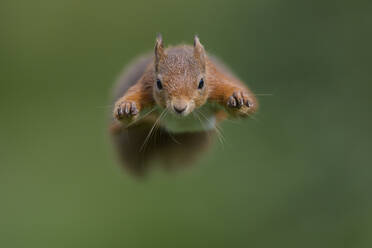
x,y
180,81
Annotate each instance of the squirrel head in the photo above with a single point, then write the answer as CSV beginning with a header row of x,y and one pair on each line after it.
x,y
180,77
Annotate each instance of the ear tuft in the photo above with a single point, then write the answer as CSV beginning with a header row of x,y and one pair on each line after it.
x,y
196,40
159,39
159,50
199,51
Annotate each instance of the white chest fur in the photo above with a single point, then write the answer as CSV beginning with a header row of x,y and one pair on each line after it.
x,y
201,119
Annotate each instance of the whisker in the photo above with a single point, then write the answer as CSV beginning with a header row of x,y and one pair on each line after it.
x,y
170,133
220,135
105,106
157,126
213,124
195,114
232,121
218,131
173,138
135,121
156,131
268,94
150,132
253,118
148,137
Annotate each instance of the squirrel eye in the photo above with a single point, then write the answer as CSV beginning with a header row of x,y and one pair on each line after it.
x,y
159,84
201,84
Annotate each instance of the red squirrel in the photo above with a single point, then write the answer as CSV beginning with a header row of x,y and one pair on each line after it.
x,y
167,105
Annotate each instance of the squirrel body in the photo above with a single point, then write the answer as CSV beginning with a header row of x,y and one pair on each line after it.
x,y
180,92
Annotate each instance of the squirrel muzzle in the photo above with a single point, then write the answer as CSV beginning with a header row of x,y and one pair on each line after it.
x,y
181,107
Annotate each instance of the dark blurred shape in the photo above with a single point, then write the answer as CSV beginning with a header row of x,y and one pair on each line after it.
x,y
173,151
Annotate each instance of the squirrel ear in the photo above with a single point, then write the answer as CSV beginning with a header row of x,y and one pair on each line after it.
x,y
199,51
159,50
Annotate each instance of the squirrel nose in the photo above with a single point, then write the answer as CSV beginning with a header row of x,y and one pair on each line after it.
x,y
180,106
179,109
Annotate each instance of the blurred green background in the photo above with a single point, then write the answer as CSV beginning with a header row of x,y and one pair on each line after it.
x,y
298,176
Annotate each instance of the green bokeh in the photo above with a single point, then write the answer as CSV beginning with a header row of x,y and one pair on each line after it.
x,y
297,176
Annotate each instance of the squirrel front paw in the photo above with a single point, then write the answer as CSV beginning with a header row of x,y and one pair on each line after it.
x,y
240,103
126,110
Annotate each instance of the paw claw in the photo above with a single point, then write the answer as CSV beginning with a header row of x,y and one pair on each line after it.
x,y
240,103
134,109
241,100
238,99
125,109
231,102
119,112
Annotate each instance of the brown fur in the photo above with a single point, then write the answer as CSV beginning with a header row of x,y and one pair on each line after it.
x,y
180,70
171,151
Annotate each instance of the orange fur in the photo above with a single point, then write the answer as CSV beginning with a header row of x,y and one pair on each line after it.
x,y
221,86
180,69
